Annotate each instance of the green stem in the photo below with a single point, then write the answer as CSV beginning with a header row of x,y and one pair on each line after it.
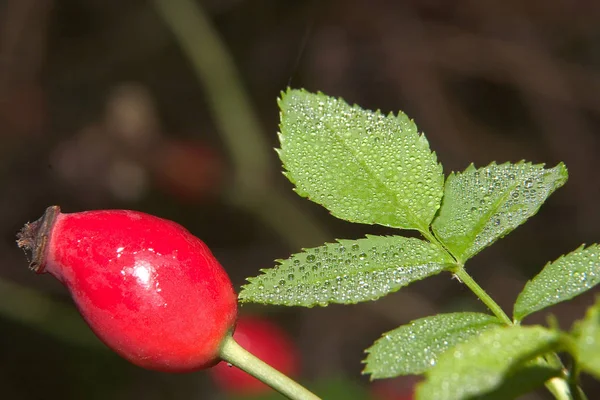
x,y
573,373
238,124
215,68
464,277
462,274
429,236
559,387
577,393
235,354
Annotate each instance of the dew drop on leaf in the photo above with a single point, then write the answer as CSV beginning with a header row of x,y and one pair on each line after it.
x,y
348,278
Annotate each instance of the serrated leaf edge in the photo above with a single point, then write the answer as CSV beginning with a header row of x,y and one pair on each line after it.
x,y
264,271
554,346
383,335
485,219
415,224
582,247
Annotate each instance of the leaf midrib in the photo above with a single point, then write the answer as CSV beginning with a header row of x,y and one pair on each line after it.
x,y
486,218
409,216
453,331
334,272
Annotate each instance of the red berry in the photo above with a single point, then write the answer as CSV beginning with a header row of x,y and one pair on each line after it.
x,y
401,388
149,289
190,171
268,342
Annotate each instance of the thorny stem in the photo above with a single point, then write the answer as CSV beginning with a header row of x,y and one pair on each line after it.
x,y
235,354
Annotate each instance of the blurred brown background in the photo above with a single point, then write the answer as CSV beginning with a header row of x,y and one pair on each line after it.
x,y
169,107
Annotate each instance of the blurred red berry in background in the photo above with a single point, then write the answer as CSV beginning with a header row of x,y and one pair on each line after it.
x,y
267,341
401,388
188,170
23,111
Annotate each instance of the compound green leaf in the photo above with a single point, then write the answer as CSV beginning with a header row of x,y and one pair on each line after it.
x,y
588,341
482,205
361,165
347,272
414,348
479,367
567,277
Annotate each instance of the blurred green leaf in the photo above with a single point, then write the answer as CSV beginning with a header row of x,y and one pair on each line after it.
x,y
414,348
485,363
588,341
524,380
567,277
42,312
482,205
347,272
361,165
339,388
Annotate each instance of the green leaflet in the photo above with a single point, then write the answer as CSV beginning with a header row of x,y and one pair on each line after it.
x,y
347,272
567,277
361,165
480,367
482,205
588,341
414,348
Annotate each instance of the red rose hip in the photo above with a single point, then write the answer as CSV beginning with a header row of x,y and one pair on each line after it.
x,y
147,287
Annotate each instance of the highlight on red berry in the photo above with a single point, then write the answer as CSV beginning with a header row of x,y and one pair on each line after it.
x,y
267,341
147,287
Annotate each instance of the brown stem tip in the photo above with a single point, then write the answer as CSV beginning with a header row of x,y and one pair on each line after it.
x,y
34,236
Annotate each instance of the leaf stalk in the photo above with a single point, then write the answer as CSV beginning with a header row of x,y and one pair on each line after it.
x,y
235,354
462,274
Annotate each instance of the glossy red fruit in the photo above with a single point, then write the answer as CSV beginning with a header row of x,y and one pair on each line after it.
x,y
148,288
268,342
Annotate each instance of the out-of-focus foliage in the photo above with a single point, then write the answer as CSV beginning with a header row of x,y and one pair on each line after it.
x,y
96,99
